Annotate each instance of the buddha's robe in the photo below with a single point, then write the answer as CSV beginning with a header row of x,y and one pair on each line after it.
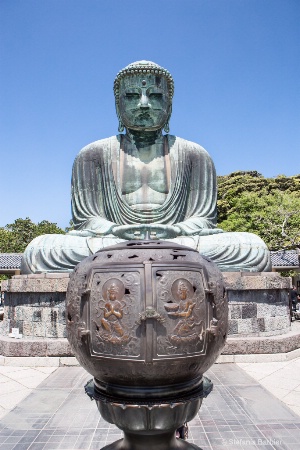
x,y
98,206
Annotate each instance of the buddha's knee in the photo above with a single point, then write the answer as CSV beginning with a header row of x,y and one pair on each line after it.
x,y
246,239
236,251
52,252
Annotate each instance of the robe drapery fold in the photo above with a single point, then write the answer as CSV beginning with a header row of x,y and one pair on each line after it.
x,y
97,203
98,206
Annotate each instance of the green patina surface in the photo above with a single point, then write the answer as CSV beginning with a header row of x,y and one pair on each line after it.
x,y
144,183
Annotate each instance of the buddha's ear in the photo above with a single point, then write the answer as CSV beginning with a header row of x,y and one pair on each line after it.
x,y
121,125
166,125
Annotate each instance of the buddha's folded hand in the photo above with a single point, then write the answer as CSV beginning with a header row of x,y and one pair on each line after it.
x,y
142,231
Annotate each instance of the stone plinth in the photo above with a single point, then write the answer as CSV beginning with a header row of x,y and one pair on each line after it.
x,y
258,304
36,305
38,347
259,320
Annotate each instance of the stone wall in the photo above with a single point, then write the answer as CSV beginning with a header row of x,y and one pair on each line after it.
x,y
258,303
36,305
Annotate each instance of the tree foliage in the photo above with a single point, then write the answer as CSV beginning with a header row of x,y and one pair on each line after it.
x,y
269,207
70,227
15,237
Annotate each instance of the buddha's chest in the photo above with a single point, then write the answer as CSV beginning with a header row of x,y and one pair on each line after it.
x,y
136,174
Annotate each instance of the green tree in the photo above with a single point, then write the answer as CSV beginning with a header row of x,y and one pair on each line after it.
x,y
70,227
15,237
231,186
269,207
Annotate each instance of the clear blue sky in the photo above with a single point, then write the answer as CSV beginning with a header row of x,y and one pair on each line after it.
x,y
237,86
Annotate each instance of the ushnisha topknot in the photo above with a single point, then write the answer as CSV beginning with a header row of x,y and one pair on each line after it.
x,y
143,67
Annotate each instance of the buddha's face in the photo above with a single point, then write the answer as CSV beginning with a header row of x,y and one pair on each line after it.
x,y
112,292
182,292
144,102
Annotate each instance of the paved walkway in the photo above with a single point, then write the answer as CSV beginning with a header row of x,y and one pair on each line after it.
x,y
16,383
282,379
46,408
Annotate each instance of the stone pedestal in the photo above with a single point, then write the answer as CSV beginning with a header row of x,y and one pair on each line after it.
x,y
258,304
35,304
259,320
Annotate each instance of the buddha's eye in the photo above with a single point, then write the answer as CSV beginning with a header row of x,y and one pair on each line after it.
x,y
156,95
132,96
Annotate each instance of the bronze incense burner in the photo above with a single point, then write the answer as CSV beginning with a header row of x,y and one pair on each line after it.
x,y
147,319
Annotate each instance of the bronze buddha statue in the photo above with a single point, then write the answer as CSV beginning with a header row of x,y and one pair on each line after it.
x,y
144,183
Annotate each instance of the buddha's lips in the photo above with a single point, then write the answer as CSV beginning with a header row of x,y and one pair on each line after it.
x,y
144,118
144,115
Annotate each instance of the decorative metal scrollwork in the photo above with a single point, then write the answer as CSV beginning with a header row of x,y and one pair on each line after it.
x,y
150,313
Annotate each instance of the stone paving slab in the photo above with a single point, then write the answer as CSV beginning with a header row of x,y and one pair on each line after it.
x,y
282,379
239,414
16,383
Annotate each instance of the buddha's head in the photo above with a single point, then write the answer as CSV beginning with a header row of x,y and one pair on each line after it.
x,y
112,291
143,93
182,291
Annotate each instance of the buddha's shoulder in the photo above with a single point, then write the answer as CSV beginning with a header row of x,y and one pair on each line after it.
x,y
98,148
188,147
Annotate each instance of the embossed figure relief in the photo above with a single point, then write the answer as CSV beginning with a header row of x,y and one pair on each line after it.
x,y
183,301
217,328
184,331
113,314
112,328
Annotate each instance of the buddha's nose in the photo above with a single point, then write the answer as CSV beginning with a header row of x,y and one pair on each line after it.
x,y
144,102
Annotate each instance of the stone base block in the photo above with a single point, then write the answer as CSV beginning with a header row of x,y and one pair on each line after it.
x,y
259,358
34,347
258,304
259,321
38,361
35,304
283,343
